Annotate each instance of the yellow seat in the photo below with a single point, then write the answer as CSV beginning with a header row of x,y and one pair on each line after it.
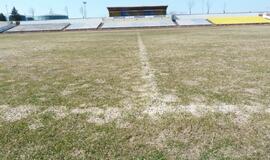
x,y
238,20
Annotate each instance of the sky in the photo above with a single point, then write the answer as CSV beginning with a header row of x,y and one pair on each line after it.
x,y
97,8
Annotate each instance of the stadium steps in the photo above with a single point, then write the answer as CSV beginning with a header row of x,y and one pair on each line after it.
x,y
99,27
6,27
66,27
174,19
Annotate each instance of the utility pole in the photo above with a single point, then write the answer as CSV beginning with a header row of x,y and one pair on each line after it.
x,y
81,11
191,4
66,10
84,9
32,12
51,12
208,6
224,7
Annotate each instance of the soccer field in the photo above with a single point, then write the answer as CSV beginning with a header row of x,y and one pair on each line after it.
x,y
185,93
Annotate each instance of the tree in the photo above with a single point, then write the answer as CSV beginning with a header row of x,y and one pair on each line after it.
x,y
2,17
15,16
208,6
191,4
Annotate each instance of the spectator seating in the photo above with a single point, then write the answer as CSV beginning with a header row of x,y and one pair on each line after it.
x,y
238,20
137,22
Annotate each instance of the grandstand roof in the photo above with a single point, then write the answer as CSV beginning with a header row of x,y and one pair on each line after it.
x,y
158,6
137,10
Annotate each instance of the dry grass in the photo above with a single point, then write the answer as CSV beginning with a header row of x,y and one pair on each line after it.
x,y
192,93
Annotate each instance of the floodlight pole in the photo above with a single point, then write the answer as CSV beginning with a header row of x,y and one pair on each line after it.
x,y
84,10
224,7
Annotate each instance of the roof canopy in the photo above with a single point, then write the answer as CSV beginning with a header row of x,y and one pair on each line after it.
x,y
137,11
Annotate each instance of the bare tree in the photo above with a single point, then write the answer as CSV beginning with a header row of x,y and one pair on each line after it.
x,y
208,6
191,4
32,12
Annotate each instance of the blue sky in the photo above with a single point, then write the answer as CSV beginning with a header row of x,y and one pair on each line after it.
x,y
97,8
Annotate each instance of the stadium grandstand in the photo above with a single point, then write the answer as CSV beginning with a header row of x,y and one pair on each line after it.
x,y
84,24
138,22
190,20
57,25
203,19
39,27
137,17
133,17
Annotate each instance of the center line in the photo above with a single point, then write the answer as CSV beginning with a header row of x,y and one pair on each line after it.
x,y
151,90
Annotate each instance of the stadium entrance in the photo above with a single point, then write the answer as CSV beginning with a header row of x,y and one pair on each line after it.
x,y
137,11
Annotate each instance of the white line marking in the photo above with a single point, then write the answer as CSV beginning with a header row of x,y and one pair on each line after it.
x,y
150,87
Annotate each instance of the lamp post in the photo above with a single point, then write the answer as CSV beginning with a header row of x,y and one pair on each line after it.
x,y
84,9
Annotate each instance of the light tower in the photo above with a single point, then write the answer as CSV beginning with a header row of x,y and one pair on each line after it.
x,y
84,9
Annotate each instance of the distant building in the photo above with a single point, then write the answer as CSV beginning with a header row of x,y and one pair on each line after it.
x,y
137,11
51,17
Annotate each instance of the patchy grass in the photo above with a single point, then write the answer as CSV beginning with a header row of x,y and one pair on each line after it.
x,y
189,93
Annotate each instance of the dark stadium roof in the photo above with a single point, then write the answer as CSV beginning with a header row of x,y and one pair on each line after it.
x,y
137,6
137,11
118,7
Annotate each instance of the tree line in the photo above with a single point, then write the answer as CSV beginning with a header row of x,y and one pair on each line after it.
x,y
14,16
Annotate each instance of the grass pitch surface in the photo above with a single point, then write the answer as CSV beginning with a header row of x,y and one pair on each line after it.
x,y
189,93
